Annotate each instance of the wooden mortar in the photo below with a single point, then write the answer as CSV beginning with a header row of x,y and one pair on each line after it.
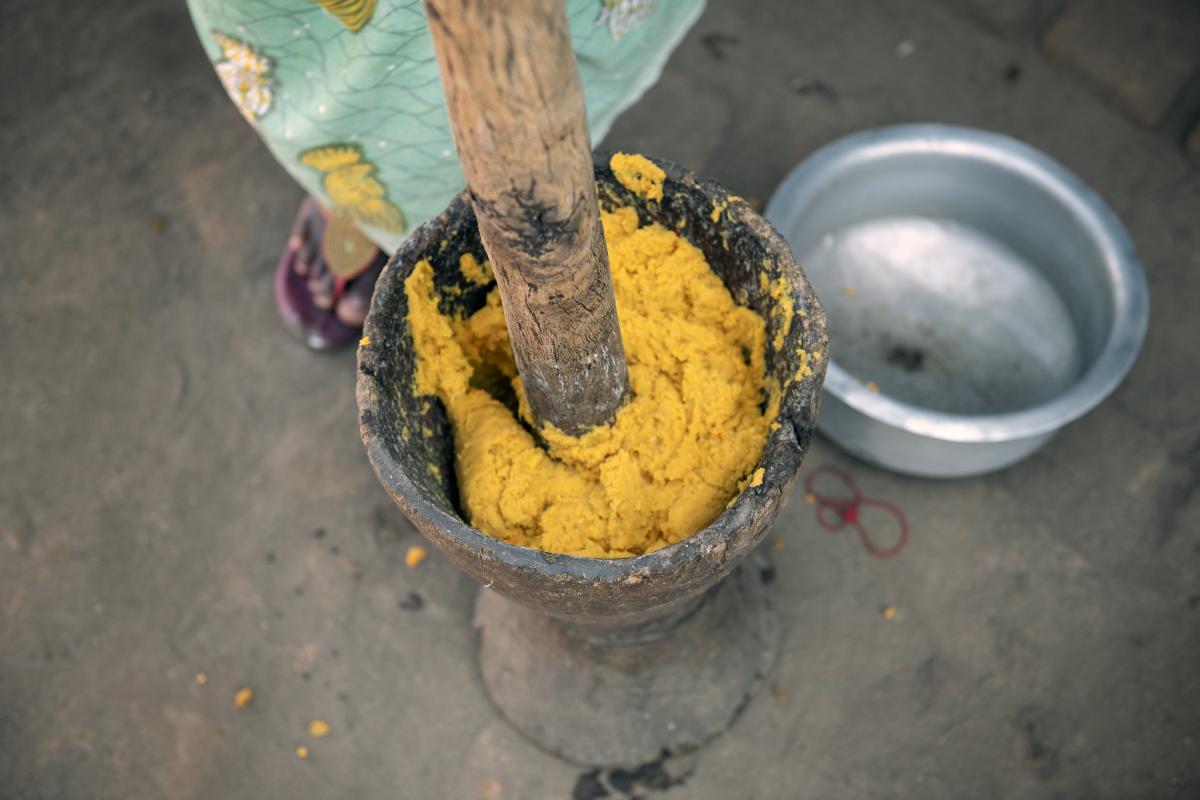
x,y
604,661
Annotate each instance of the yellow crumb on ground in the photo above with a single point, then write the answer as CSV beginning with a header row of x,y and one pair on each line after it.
x,y
415,555
849,291
318,728
491,789
757,478
777,545
889,612
243,697
810,498
872,387
638,174
302,751
478,273
677,452
364,341
434,471
201,678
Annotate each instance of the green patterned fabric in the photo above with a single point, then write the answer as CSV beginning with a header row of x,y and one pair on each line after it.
x,y
347,96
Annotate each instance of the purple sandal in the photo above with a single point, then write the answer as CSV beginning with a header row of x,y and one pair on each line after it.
x,y
325,278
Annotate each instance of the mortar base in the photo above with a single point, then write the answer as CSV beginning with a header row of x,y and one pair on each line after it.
x,y
600,699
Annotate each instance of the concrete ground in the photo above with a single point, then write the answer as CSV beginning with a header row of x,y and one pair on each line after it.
x,y
182,489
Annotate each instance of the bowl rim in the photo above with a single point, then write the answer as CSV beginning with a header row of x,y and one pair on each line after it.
x,y
1128,280
722,541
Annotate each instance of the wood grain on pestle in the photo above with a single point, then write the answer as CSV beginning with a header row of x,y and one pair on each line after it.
x,y
516,108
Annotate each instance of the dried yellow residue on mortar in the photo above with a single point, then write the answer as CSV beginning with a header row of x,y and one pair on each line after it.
x,y
639,175
782,307
805,369
676,453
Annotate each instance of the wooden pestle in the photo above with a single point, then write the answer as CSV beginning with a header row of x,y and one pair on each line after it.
x,y
516,109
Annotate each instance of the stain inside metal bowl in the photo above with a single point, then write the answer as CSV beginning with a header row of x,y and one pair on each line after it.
x,y
943,316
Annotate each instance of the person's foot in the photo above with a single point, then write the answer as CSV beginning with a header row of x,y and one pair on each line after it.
x,y
325,277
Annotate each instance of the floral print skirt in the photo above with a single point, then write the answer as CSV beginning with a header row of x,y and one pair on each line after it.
x,y
347,96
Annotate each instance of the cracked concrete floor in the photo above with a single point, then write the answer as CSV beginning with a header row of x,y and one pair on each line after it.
x,y
182,489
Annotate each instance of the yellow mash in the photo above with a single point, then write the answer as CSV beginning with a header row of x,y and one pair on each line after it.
x,y
678,451
638,174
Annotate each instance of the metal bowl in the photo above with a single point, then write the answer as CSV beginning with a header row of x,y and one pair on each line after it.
x,y
979,295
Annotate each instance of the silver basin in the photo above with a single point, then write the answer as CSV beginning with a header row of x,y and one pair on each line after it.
x,y
979,295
